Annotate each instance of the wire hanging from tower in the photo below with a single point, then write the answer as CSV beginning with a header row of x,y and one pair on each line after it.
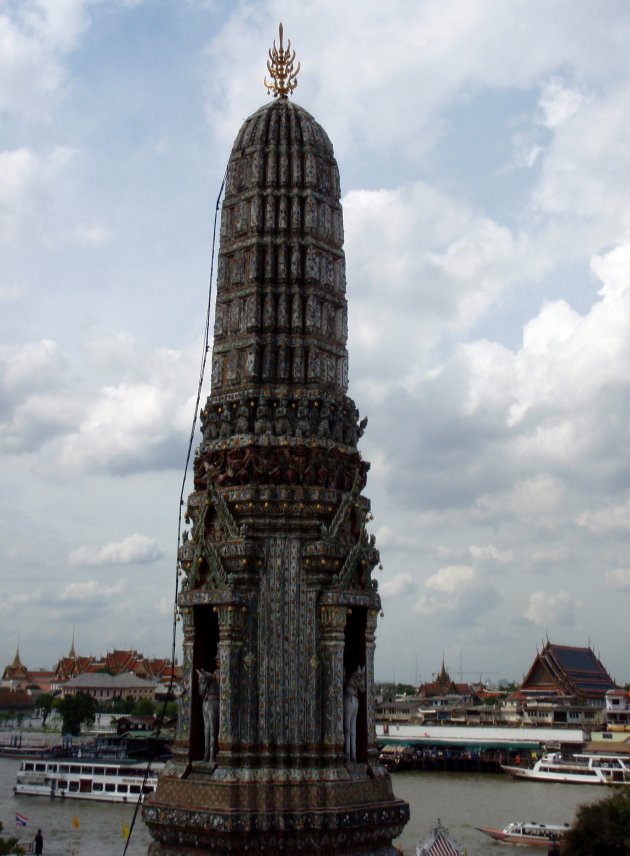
x,y
204,357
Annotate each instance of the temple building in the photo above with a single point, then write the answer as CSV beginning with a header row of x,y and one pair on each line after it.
x,y
566,673
275,748
17,677
443,686
120,661
565,685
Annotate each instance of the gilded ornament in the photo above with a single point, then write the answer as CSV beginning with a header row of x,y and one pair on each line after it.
x,y
280,68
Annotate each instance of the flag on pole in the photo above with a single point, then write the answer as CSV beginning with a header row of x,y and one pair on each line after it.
x,y
75,822
20,819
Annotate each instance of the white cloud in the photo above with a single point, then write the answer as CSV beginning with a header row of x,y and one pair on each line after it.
x,y
26,182
492,553
619,579
557,102
494,373
552,610
537,498
401,584
32,365
137,424
90,592
576,182
389,539
609,519
452,579
95,236
549,555
133,550
458,594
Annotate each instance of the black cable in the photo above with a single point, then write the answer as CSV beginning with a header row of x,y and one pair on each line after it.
x,y
206,347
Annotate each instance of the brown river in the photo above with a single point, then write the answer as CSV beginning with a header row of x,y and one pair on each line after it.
x,y
462,801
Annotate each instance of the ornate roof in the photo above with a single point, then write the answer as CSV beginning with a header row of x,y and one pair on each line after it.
x,y
16,671
568,671
439,843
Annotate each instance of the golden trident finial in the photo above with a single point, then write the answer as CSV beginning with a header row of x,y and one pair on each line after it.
x,y
280,68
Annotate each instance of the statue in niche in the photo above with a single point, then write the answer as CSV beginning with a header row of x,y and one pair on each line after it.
x,y
296,314
298,363
209,692
323,429
211,425
336,425
350,428
353,686
263,423
304,427
226,423
282,423
242,418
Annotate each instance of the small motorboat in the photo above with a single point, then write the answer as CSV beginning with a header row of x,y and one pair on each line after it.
x,y
534,834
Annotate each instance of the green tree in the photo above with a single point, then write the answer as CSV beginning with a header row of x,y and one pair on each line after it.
x,y
171,709
45,703
405,689
143,707
122,705
75,710
601,828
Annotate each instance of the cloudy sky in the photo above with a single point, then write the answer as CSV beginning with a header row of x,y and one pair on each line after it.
x,y
484,151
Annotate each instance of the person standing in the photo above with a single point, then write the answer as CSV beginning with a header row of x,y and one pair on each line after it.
x,y
39,842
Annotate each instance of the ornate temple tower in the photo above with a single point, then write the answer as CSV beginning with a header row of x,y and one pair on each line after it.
x,y
275,743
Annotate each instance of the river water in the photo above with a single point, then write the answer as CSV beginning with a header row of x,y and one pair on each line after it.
x,y
462,801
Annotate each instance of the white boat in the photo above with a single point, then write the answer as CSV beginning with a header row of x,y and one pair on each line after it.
x,y
584,769
534,834
106,780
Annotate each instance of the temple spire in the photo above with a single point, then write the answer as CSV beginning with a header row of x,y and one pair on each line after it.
x,y
72,652
280,68
17,663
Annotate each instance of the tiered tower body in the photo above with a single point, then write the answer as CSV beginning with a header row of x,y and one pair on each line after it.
x,y
277,588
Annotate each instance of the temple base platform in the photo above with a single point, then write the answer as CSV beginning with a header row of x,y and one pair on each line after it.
x,y
294,817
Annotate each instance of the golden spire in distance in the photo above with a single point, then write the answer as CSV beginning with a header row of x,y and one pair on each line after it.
x,y
280,68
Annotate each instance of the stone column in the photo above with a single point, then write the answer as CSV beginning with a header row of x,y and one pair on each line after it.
x,y
181,752
231,623
370,645
333,623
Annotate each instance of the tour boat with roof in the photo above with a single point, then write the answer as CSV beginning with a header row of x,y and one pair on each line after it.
x,y
99,779
583,769
533,834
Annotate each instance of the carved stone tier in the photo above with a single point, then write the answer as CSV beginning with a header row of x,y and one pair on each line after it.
x,y
276,815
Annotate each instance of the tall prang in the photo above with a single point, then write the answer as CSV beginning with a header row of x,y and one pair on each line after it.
x,y
275,745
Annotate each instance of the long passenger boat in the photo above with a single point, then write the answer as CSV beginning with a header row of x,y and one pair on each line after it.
x,y
583,769
107,780
534,834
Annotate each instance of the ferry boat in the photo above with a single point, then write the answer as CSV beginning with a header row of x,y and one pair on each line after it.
x,y
535,834
106,780
584,769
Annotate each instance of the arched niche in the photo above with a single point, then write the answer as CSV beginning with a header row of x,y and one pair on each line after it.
x,y
353,658
205,656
